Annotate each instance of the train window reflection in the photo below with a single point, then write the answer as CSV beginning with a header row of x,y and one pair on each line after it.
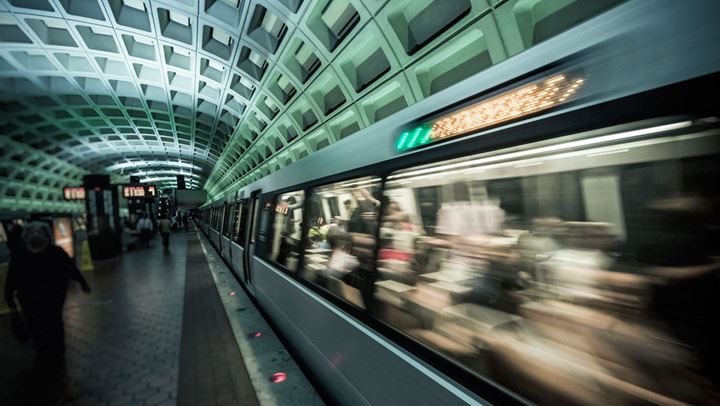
x,y
229,218
241,221
577,269
285,238
341,238
236,221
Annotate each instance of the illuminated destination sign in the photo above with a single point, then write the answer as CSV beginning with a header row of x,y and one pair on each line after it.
x,y
74,193
523,101
139,191
133,191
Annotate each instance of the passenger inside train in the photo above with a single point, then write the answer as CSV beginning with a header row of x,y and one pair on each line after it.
x,y
580,273
567,269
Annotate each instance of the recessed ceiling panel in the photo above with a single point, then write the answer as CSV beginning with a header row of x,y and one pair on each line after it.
x,y
223,91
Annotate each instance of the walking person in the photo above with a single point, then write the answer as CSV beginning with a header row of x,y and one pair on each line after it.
x,y
164,226
40,273
145,227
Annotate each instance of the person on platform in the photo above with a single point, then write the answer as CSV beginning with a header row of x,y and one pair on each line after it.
x,y
164,226
40,272
185,221
145,227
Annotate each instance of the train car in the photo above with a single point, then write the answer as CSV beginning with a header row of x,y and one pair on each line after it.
x,y
215,225
542,232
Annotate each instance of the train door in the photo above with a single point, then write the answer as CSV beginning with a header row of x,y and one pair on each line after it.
x,y
234,207
252,218
228,231
221,221
223,228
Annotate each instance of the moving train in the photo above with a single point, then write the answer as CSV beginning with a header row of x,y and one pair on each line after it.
x,y
543,232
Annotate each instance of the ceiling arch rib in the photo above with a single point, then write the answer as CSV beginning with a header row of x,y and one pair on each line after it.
x,y
237,89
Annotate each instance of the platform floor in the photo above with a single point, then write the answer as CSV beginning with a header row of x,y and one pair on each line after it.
x,y
127,340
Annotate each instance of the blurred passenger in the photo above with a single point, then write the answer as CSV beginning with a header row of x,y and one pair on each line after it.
x,y
687,300
462,217
290,236
145,227
398,235
185,221
537,245
40,273
164,227
341,261
362,216
351,263
397,219
344,221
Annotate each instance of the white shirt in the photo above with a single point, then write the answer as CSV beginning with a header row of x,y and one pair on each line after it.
x,y
144,224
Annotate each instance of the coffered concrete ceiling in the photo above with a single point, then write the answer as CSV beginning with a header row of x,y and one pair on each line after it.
x,y
227,91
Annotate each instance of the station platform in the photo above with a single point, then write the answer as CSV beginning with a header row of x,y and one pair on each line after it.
x,y
164,328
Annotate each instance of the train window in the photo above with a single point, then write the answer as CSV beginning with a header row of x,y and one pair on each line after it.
x,y
240,226
256,210
334,207
286,228
229,217
588,258
340,240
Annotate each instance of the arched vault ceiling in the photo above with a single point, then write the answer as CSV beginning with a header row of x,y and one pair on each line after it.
x,y
230,90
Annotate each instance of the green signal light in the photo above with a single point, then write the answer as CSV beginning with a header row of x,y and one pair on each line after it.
x,y
420,135
416,134
401,142
426,138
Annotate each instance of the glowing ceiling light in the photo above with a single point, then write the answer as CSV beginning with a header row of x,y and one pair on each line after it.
x,y
529,99
134,164
165,172
167,179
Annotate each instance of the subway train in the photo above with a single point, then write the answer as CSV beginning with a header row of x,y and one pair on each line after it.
x,y
542,232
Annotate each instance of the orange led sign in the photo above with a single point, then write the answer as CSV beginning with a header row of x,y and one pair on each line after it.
x,y
525,100
74,193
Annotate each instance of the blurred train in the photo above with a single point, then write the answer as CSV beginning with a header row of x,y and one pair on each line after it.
x,y
543,232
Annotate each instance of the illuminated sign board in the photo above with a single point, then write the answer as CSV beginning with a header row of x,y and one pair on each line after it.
x,y
133,191
74,193
139,191
522,101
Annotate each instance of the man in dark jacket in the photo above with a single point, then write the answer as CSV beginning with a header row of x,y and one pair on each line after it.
x,y
40,273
